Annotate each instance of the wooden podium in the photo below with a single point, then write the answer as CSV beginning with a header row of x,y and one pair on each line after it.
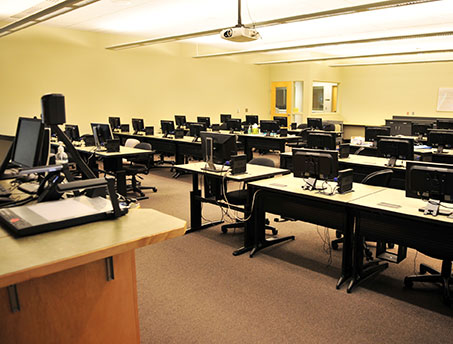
x,y
77,285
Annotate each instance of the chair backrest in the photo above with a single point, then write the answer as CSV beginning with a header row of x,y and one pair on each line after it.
x,y
131,142
378,178
262,161
143,145
302,126
329,127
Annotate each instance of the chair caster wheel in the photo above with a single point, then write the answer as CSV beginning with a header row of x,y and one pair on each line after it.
x,y
408,283
338,234
334,246
274,231
224,230
390,245
154,189
422,270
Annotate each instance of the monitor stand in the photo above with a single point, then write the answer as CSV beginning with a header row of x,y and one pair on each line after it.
x,y
195,139
433,208
391,162
440,149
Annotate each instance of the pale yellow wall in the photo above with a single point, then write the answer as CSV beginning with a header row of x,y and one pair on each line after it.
x,y
371,94
152,82
309,73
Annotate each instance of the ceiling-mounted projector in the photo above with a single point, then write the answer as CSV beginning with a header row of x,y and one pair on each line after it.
x,y
240,34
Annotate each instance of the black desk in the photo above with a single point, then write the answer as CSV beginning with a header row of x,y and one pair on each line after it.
x,y
113,162
260,141
391,217
254,172
284,196
180,148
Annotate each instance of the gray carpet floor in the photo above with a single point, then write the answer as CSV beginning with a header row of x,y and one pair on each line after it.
x,y
193,290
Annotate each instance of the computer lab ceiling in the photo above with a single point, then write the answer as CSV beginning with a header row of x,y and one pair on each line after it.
x,y
339,31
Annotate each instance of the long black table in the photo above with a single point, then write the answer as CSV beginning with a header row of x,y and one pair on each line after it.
x,y
285,196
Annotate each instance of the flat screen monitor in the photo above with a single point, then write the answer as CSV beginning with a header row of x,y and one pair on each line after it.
x,y
395,148
399,127
315,163
444,124
251,119
282,121
180,120
314,123
421,129
101,132
28,142
195,129
6,145
168,127
115,123
138,125
431,181
224,117
234,124
321,140
72,132
207,120
223,147
269,126
440,138
371,133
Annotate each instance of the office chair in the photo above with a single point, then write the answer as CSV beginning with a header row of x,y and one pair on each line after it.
x,y
443,277
329,127
131,142
376,178
139,165
239,197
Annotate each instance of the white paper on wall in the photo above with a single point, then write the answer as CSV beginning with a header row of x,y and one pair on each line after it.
x,y
445,99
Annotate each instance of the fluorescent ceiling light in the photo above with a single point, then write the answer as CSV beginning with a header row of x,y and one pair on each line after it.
x,y
285,20
325,44
43,15
328,58
390,63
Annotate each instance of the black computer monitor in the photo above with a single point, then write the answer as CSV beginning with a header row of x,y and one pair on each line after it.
x,y
6,145
168,127
115,123
195,129
28,142
224,117
371,133
217,148
72,132
316,164
399,127
444,124
321,140
269,126
431,181
421,129
395,148
138,125
314,123
207,120
282,121
440,138
101,132
180,120
251,119
234,124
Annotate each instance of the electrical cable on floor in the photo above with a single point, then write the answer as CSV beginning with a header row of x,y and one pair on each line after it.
x,y
326,247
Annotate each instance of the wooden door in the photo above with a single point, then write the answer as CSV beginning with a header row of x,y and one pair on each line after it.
x,y
282,99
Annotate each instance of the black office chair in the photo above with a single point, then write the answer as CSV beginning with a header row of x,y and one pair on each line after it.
x,y
139,165
443,277
329,127
376,178
239,197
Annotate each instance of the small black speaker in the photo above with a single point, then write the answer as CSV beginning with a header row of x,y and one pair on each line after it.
x,y
149,131
53,109
345,179
344,150
238,164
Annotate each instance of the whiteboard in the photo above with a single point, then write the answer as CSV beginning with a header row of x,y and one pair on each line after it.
x,y
445,99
